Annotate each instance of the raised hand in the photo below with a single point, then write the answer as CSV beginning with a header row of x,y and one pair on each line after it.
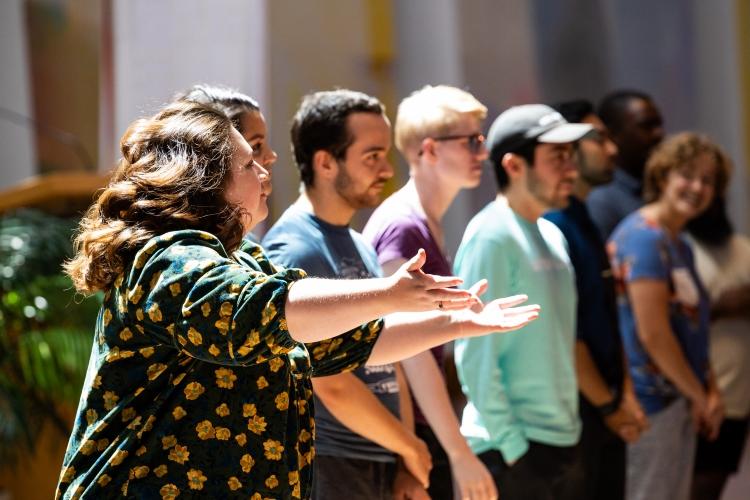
x,y
414,290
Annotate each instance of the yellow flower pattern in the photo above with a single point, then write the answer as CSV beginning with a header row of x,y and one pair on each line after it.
x,y
159,408
196,479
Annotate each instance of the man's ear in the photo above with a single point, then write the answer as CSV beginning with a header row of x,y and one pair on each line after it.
x,y
428,148
514,165
324,165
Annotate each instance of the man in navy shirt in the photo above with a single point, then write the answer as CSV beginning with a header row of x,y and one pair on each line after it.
x,y
636,127
610,413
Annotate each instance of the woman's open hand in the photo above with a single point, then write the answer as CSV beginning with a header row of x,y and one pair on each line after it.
x,y
500,315
411,289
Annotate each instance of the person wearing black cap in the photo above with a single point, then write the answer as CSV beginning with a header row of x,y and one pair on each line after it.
x,y
522,416
610,413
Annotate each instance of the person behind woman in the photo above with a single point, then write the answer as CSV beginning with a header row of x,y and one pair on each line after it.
x,y
664,314
199,378
244,111
722,258
439,132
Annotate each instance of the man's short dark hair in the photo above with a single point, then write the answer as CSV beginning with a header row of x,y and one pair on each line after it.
x,y
320,124
525,151
613,106
574,111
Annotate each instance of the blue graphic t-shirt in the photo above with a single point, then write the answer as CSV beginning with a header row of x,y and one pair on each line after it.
x,y
301,240
642,249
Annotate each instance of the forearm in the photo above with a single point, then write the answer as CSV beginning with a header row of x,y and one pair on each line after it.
x,y
668,356
407,334
404,398
428,387
351,402
590,381
318,309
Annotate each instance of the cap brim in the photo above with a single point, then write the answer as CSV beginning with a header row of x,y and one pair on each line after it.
x,y
567,132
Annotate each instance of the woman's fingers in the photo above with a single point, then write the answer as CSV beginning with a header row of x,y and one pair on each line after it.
x,y
415,263
513,311
479,287
513,300
439,282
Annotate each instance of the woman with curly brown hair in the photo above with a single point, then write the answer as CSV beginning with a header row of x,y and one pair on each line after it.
x,y
199,378
664,315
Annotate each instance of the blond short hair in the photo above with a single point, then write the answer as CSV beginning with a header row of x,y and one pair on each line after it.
x,y
432,112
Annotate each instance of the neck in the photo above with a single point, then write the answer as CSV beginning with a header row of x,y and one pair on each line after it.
x,y
523,203
581,189
329,207
434,195
670,220
633,167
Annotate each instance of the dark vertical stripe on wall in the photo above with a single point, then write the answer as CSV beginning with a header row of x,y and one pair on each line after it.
x,y
572,46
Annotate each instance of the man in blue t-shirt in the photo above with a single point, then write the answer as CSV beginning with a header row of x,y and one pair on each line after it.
x,y
341,140
610,413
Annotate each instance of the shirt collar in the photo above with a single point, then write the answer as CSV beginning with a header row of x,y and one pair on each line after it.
x,y
628,181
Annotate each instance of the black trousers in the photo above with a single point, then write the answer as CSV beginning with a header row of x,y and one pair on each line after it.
x,y
352,479
604,458
543,473
441,479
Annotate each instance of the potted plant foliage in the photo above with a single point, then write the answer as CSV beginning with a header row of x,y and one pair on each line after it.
x,y
46,331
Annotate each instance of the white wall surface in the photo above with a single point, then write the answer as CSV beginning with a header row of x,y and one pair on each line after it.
x,y
18,160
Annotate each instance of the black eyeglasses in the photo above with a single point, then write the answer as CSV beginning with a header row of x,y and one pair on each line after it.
x,y
474,142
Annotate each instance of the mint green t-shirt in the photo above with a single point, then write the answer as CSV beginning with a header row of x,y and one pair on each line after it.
x,y
521,386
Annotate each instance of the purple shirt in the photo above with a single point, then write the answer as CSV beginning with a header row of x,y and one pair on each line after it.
x,y
398,230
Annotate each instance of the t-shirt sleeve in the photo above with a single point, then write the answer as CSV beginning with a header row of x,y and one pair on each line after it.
x,y
187,292
345,352
399,240
641,253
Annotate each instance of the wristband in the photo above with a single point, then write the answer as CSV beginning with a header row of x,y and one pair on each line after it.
x,y
608,409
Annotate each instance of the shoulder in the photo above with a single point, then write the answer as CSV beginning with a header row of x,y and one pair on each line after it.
x,y
635,229
179,245
486,231
293,222
550,231
392,216
295,251
365,248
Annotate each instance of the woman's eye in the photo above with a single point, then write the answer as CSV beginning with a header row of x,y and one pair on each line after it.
x,y
257,147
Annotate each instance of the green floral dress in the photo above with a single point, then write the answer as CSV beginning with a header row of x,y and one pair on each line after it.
x,y
195,387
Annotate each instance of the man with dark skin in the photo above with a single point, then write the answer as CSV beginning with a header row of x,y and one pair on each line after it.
x,y
636,127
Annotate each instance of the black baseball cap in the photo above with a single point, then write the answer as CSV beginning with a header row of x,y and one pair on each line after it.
x,y
519,125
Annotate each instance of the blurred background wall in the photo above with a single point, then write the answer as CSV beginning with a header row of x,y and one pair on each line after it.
x,y
75,73
87,68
